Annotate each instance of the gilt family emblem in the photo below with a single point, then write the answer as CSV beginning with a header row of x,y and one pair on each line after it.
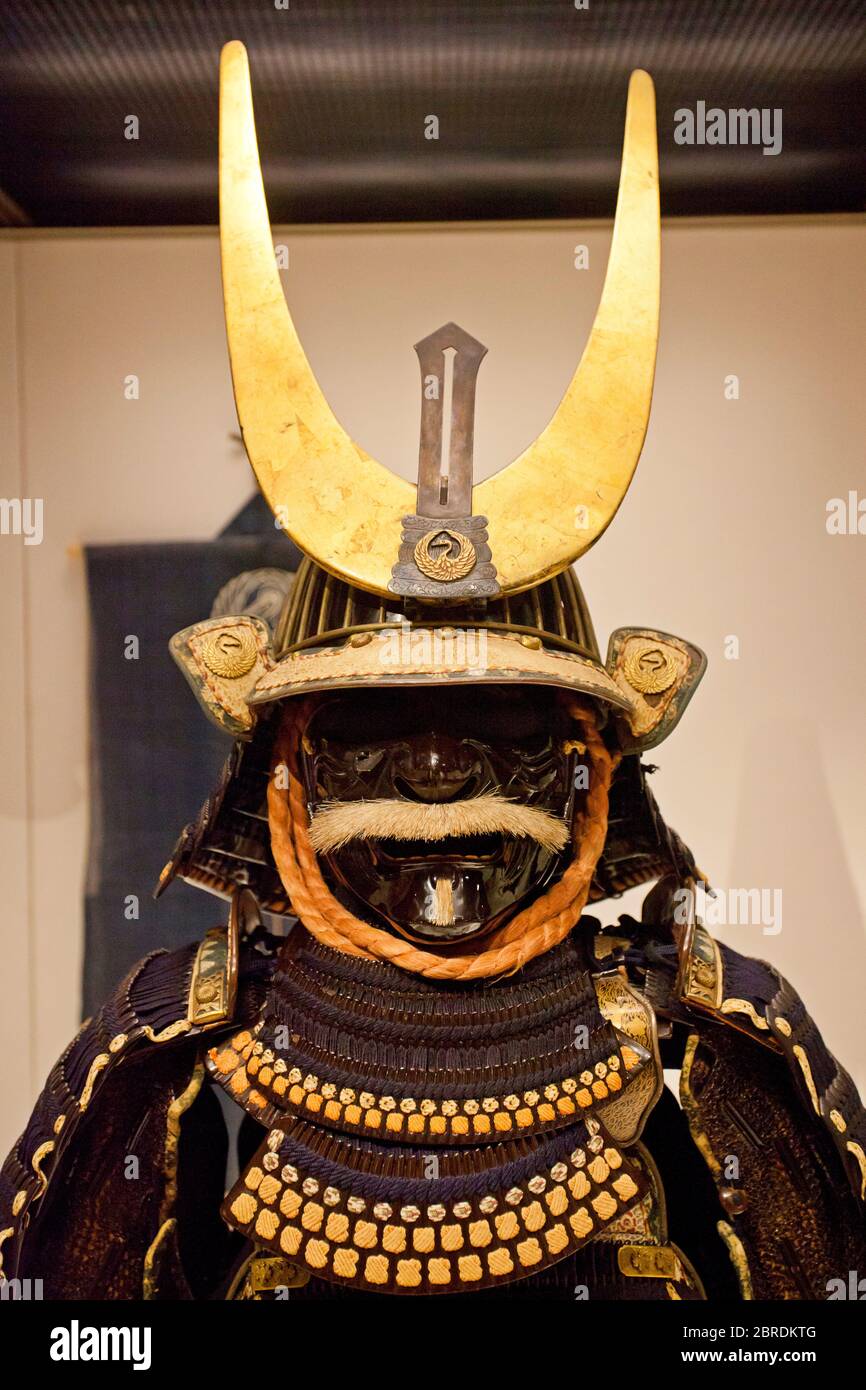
x,y
649,669
230,653
444,555
443,551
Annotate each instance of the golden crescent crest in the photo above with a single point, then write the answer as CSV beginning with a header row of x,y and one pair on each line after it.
x,y
230,654
649,669
580,465
448,565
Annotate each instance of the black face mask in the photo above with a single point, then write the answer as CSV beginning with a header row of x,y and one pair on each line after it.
x,y
442,744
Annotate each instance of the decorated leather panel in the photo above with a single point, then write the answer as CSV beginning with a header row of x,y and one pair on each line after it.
x,y
365,1049
359,1214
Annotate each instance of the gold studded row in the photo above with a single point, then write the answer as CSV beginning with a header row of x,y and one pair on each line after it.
x,y
257,1077
347,1237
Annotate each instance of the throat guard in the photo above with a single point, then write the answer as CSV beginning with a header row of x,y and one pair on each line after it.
x,y
426,1139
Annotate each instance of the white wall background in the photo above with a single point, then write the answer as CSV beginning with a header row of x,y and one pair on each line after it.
x,y
723,532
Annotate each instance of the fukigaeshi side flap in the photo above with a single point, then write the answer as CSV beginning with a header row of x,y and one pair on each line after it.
x,y
222,659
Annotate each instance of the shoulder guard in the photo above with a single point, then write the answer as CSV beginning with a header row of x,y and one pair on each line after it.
x,y
777,1121
704,978
166,999
751,996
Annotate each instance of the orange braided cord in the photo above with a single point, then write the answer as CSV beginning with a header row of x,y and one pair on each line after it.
x,y
531,932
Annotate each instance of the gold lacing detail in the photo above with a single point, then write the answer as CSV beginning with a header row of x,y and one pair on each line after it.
x,y
4,1236
800,1054
36,1161
117,1043
743,1006
737,1253
96,1066
180,1104
149,1281
858,1153
690,1106
173,1030
177,1108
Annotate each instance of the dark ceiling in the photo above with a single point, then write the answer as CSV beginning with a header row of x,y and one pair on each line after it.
x,y
529,97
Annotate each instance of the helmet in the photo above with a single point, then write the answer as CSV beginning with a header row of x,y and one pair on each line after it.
x,y
449,582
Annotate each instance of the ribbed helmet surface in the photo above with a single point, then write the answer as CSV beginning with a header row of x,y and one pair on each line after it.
x,y
320,605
